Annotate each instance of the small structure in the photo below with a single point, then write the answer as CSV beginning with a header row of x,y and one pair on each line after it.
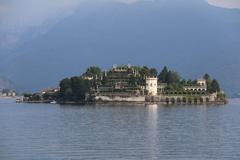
x,y
87,77
161,88
200,86
50,90
152,86
202,82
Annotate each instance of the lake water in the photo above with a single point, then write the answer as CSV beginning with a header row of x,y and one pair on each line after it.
x,y
55,132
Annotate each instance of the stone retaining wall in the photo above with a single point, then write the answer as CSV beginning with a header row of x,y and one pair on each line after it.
x,y
120,99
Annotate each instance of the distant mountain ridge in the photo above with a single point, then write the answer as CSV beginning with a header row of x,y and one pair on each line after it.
x,y
192,37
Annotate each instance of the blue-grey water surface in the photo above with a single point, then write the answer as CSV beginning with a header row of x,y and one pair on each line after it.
x,y
119,132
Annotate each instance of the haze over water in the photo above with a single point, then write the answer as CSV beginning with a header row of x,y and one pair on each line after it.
x,y
54,132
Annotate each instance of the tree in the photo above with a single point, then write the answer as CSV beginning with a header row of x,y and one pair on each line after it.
x,y
104,80
64,85
215,87
133,80
144,71
79,88
153,72
172,77
163,75
27,95
68,94
93,71
206,77
189,82
209,81
74,89
183,82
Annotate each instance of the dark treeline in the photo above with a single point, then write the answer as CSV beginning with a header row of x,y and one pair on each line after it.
x,y
74,89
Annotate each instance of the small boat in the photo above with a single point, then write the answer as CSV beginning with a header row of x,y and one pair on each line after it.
x,y
19,100
53,102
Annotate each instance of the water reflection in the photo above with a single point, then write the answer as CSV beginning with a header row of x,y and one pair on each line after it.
x,y
152,130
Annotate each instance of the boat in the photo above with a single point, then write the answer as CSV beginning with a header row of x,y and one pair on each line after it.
x,y
19,100
53,102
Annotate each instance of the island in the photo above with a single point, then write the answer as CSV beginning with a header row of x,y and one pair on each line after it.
x,y
132,84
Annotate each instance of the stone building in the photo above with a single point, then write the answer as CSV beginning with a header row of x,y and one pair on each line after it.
x,y
200,86
152,86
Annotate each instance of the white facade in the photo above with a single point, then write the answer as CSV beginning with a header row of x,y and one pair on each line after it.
x,y
202,82
88,78
201,86
151,85
195,88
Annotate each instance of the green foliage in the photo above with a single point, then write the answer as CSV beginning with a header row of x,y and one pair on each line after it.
x,y
79,88
215,87
163,75
169,77
104,80
221,95
206,77
133,81
93,71
74,89
32,97
68,94
153,72
172,77
27,95
145,71
212,85
175,87
36,97
65,84
50,96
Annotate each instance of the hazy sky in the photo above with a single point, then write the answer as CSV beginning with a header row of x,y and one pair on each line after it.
x,y
225,3
18,17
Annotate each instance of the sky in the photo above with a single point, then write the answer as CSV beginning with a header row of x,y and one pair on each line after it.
x,y
18,17
231,4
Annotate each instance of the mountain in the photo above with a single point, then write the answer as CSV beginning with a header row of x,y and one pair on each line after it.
x,y
191,37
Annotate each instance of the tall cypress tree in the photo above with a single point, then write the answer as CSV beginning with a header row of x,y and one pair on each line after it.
x,y
215,87
163,75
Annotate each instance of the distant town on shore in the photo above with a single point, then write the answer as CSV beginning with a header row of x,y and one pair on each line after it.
x,y
135,84
7,92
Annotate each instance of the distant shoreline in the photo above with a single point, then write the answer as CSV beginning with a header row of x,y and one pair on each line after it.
x,y
3,97
125,102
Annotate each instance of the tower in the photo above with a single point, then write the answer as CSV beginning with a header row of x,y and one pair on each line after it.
x,y
151,85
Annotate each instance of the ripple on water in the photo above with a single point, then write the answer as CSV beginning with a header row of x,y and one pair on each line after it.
x,y
41,131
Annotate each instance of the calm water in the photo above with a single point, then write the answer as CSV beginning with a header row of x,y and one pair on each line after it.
x,y
54,132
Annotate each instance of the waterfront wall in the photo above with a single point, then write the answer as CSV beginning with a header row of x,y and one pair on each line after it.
x,y
165,99
186,99
119,99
